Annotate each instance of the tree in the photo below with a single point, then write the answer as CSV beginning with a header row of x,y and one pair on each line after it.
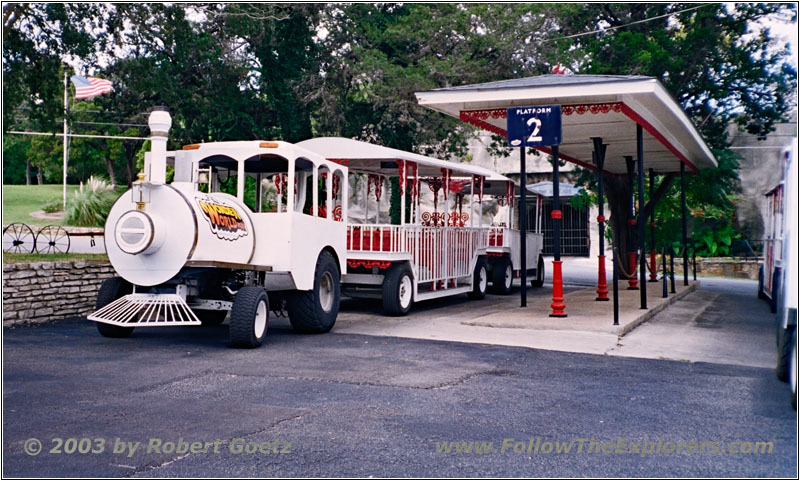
x,y
36,39
708,58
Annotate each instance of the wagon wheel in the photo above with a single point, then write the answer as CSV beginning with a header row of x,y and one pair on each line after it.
x,y
52,239
18,238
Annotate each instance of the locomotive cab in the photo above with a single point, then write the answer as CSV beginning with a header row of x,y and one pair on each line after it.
x,y
231,233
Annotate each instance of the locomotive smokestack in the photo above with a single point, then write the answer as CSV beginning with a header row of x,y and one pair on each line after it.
x,y
159,122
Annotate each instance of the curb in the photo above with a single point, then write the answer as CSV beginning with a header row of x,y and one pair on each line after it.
x,y
657,309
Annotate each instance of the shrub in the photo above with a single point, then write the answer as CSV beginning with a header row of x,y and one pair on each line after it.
x,y
53,205
91,204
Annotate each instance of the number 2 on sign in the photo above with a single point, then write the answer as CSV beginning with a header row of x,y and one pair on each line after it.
x,y
535,134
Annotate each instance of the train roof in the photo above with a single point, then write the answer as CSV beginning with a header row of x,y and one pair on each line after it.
x,y
366,157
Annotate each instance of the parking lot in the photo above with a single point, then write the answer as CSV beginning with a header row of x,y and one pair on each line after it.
x,y
371,405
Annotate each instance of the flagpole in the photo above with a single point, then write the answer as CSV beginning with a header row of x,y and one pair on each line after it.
x,y
66,156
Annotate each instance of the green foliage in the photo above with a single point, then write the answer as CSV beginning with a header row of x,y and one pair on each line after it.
x,y
52,206
90,205
20,200
15,154
705,56
711,242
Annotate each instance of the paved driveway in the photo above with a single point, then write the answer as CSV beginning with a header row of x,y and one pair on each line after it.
x,y
353,405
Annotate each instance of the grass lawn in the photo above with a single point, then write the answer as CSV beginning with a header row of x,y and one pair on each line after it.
x,y
20,200
18,258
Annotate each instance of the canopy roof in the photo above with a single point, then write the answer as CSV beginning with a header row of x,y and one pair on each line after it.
x,y
366,157
605,106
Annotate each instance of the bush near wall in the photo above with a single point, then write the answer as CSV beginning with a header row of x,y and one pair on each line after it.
x,y
40,292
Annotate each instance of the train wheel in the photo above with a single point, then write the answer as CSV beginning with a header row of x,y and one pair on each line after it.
x,y
18,238
761,283
249,317
776,291
314,312
480,280
398,290
111,290
52,239
784,352
539,281
502,276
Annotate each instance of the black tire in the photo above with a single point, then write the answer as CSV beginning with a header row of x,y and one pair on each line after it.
x,y
249,317
306,312
398,289
480,279
211,318
539,281
501,282
784,352
776,291
761,283
110,290
793,371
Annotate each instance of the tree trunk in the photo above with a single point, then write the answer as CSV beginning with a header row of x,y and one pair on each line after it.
x,y
110,167
39,175
618,192
27,171
130,154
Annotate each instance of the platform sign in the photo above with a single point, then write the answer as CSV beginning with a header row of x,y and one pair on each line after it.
x,y
535,125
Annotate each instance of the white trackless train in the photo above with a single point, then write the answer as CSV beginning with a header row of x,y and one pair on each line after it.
x,y
186,256
503,249
189,254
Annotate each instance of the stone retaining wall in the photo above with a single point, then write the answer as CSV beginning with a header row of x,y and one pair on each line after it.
x,y
720,267
43,291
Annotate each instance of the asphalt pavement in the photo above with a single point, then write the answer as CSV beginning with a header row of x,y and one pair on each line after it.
x,y
341,405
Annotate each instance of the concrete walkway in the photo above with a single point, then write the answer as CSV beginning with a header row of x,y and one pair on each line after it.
x,y
499,320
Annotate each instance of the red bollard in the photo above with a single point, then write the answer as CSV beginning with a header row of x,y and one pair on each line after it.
x,y
558,292
602,287
633,283
653,274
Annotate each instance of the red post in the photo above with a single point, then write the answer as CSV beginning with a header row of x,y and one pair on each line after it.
x,y
558,292
602,287
633,283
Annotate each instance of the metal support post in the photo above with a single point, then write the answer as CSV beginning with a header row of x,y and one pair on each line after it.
x,y
523,234
615,288
642,218
683,227
632,281
599,156
653,267
672,271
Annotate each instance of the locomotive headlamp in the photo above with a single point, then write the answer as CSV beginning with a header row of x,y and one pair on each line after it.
x,y
134,232
140,194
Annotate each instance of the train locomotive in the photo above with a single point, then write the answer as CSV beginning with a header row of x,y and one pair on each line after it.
x,y
187,253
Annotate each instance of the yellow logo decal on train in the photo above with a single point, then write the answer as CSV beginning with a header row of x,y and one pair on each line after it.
x,y
225,221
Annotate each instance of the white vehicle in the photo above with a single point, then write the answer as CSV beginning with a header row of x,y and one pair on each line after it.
x,y
769,274
786,367
432,253
188,254
503,250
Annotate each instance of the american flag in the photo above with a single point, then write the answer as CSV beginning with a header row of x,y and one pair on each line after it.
x,y
88,87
